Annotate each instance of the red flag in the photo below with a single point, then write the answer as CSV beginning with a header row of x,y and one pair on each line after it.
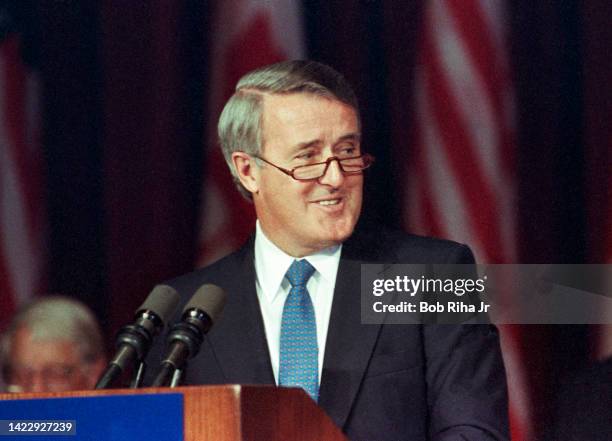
x,y
247,34
21,227
462,183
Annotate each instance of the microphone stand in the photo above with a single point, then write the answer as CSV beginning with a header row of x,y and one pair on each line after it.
x,y
185,340
176,377
139,375
133,343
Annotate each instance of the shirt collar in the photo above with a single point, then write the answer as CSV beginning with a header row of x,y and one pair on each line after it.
x,y
272,263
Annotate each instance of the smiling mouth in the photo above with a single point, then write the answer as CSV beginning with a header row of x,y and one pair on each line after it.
x,y
329,202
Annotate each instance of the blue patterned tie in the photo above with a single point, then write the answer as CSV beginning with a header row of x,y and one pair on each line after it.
x,y
299,365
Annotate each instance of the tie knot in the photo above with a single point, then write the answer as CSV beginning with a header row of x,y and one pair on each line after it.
x,y
299,272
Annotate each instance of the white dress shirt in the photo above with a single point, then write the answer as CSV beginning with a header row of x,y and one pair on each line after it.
x,y
271,265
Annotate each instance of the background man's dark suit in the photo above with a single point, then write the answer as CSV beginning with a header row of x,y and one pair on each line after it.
x,y
379,382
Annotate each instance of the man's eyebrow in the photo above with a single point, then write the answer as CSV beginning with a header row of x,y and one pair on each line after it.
x,y
304,146
355,136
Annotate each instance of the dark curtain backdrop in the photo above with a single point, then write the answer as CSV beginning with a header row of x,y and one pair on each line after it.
x,y
124,90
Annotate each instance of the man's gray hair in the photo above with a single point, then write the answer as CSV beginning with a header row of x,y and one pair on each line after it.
x,y
240,122
57,318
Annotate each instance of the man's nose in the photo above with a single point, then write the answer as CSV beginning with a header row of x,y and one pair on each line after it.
x,y
333,176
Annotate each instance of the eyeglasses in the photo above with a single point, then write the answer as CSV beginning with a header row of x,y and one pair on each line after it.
x,y
350,166
54,376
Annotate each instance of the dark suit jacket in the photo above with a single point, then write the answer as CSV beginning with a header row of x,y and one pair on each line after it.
x,y
379,382
585,405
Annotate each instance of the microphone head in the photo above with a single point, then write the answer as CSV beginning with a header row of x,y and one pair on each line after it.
x,y
208,298
162,301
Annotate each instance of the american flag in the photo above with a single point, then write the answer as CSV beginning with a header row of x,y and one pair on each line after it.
x,y
462,175
22,249
247,34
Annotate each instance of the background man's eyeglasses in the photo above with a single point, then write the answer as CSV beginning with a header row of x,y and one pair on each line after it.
x,y
21,378
349,166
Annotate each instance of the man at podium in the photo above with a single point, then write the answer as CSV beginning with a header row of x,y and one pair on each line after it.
x,y
291,136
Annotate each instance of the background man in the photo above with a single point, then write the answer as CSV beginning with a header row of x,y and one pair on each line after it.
x,y
291,137
54,344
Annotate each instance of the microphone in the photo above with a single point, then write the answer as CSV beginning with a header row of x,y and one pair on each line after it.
x,y
186,336
134,340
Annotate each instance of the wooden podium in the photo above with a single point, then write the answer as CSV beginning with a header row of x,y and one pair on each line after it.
x,y
219,413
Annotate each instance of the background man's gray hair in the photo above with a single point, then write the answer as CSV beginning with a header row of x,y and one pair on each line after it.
x,y
57,318
240,122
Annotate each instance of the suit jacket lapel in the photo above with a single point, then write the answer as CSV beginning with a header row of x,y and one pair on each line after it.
x,y
349,343
242,351
240,346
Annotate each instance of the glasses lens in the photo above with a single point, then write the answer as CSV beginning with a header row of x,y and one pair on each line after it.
x,y
353,165
56,373
312,171
349,165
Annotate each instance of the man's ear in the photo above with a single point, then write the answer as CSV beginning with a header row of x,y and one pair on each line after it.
x,y
247,171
